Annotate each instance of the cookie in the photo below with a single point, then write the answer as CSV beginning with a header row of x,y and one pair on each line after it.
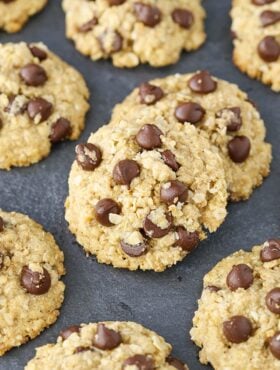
x,y
218,108
31,265
15,13
256,31
42,101
131,32
107,345
141,193
237,322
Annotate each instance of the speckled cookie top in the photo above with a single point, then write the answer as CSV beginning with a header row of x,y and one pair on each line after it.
x,y
107,345
43,100
15,13
31,292
141,192
217,107
237,322
132,32
256,31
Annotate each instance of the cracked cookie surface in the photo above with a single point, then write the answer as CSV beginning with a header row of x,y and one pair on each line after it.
x,y
108,345
31,265
237,321
43,101
131,32
218,108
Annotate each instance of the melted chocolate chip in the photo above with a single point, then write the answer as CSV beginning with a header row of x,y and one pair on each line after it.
x,y
149,15
65,333
269,17
274,345
183,17
104,208
88,156
148,137
60,130
239,149
189,112
262,2
240,276
125,171
269,49
106,339
154,231
176,363
174,192
39,109
238,329
135,250
150,94
271,251
38,53
272,300
170,160
33,75
185,239
233,118
88,26
140,362
35,282
202,83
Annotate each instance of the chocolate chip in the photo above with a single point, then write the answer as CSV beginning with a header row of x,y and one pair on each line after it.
x,y
1,224
1,260
33,75
183,17
135,250
38,53
174,192
147,14
60,130
239,149
88,156
170,160
238,329
176,363
104,208
202,83
189,112
150,94
140,362
116,2
233,118
106,338
269,17
39,109
213,288
16,105
83,349
271,251
274,345
1,123
35,282
125,171
269,49
65,333
272,300
88,26
240,276
262,2
111,42
152,230
185,239
148,137
233,34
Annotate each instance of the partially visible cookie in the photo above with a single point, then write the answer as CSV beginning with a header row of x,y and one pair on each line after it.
x,y
108,345
15,13
42,101
31,265
142,192
256,31
131,32
218,108
237,322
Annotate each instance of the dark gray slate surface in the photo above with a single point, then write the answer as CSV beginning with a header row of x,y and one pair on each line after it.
x,y
164,302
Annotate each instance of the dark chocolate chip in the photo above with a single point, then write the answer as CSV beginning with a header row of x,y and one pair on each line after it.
x,y
238,329
274,345
269,17
65,333
60,130
115,42
176,363
173,192
104,208
125,171
88,156
1,260
154,231
106,339
147,14
83,349
240,276
185,239
170,160
33,75
233,118
202,83
148,137
35,282
88,26
183,17
135,250
271,251
269,49
38,52
40,109
239,149
272,300
150,94
262,2
140,362
189,112
1,224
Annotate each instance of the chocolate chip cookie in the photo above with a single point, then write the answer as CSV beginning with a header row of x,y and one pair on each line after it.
x,y
107,345
131,32
219,109
237,321
141,192
15,13
42,101
256,31
31,265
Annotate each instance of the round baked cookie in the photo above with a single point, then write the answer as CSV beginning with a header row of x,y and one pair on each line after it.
x,y
31,292
221,110
15,13
237,322
42,101
107,345
141,192
131,32
256,32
